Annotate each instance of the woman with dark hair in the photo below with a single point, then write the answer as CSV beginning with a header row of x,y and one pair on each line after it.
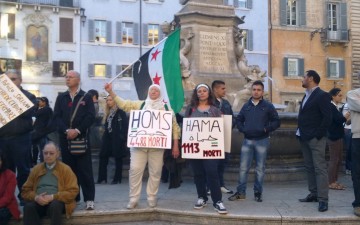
x,y
8,204
113,141
205,170
335,136
42,126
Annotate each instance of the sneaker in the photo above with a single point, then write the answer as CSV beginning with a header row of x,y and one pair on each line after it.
x,y
201,203
90,205
357,211
208,192
237,196
131,205
258,196
219,206
225,190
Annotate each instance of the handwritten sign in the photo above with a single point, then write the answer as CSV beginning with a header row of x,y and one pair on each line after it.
x,y
203,138
12,101
150,129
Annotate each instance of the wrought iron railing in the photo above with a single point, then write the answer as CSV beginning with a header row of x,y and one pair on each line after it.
x,y
64,3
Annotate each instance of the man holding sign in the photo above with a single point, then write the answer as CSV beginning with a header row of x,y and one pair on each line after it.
x,y
256,120
140,152
15,138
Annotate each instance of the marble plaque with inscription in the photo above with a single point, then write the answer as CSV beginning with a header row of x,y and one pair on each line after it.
x,y
213,53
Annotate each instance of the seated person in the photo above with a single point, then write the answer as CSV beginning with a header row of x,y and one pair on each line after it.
x,y
50,189
8,204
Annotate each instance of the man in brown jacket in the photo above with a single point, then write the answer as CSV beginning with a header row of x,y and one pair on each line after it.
x,y
51,187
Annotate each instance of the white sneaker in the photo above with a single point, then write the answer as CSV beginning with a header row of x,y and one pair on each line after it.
x,y
90,205
219,206
131,205
201,203
226,190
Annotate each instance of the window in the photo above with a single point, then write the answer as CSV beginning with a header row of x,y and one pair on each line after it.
x,y
99,70
127,73
153,34
293,12
337,21
242,4
7,64
247,40
100,31
7,25
127,33
293,67
60,68
335,68
66,30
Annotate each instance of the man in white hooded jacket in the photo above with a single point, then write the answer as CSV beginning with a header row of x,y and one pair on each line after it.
x,y
353,100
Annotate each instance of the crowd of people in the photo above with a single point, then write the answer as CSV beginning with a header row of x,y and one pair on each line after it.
x,y
60,170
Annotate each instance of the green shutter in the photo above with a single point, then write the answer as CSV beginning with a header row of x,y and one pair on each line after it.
x,y
108,71
136,34
286,70
145,34
91,34
343,22
108,32
236,3
249,4
302,10
342,69
301,67
91,70
249,41
328,67
119,32
283,4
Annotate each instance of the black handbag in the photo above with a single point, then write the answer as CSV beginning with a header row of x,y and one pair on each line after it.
x,y
79,145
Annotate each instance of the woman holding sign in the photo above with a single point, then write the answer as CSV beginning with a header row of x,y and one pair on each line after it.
x,y
205,170
140,156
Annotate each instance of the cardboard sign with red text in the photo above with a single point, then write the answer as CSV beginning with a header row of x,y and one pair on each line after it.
x,y
12,101
150,129
203,138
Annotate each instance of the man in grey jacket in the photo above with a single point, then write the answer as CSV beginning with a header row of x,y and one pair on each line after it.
x,y
353,100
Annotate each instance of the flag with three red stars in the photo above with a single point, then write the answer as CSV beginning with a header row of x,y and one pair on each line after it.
x,y
161,65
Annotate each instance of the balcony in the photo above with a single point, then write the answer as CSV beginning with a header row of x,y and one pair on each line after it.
x,y
63,3
336,36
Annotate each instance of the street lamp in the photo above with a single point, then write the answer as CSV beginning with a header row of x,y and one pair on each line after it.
x,y
82,16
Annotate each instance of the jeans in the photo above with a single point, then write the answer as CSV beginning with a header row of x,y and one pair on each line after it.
x,y
347,145
315,167
206,173
18,153
355,173
5,216
249,150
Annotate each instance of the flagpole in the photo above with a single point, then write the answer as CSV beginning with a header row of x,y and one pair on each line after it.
x,y
118,75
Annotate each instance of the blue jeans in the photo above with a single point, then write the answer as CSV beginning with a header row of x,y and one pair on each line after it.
x,y
249,150
355,170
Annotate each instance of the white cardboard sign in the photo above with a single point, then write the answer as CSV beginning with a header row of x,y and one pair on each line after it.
x,y
150,129
203,138
12,101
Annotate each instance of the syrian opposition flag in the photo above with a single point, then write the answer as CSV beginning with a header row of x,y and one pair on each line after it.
x,y
161,65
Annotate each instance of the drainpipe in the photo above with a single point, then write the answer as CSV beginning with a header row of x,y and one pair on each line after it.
x,y
140,26
270,51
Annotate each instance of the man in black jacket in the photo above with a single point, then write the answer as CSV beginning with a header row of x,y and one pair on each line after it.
x,y
313,122
257,118
64,107
15,137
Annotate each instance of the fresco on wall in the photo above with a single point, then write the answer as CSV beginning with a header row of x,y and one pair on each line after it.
x,y
37,44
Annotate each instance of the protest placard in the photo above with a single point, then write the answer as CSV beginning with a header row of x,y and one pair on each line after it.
x,y
203,138
12,101
150,129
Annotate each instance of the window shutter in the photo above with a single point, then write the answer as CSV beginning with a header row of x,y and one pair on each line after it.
x,y
343,22
108,32
118,32
301,68
286,70
328,67
91,30
161,34
66,30
302,10
136,34
91,70
118,69
11,25
342,69
108,71
161,0
249,40
226,2
249,4
56,72
283,4
145,33
236,3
